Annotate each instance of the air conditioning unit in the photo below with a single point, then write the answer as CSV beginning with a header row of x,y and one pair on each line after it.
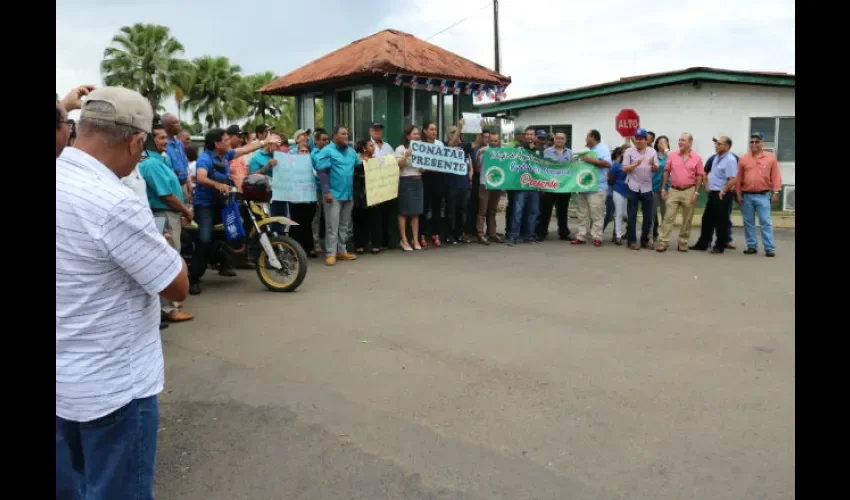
x,y
789,200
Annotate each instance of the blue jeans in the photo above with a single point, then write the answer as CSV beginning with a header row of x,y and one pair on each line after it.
x,y
646,205
205,218
110,457
757,204
524,210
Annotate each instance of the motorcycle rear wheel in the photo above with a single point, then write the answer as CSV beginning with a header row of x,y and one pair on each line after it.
x,y
294,261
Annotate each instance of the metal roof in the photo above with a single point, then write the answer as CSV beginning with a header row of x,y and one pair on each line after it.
x,y
643,82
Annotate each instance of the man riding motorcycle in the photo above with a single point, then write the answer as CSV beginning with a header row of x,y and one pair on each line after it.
x,y
212,171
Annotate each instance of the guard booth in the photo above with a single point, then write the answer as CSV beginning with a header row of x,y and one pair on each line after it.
x,y
389,77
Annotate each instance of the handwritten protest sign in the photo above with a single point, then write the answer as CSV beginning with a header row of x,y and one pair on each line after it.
x,y
293,178
438,158
381,180
514,169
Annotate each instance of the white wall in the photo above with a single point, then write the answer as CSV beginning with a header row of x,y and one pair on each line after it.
x,y
712,110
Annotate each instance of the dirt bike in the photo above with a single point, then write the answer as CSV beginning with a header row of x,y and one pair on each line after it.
x,y
280,262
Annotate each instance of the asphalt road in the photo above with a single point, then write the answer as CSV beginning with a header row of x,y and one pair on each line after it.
x,y
536,372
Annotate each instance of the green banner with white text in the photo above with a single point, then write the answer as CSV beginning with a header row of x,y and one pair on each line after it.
x,y
515,169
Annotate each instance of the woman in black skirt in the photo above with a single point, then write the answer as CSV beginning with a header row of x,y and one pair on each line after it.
x,y
410,195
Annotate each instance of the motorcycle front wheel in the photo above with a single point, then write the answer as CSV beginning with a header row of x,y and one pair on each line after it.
x,y
292,257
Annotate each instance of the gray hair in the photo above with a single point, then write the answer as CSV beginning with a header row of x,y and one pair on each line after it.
x,y
690,136
109,131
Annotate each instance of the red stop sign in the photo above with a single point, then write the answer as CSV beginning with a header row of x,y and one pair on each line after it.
x,y
627,122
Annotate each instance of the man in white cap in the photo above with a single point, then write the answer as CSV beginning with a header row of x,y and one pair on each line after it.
x,y
112,265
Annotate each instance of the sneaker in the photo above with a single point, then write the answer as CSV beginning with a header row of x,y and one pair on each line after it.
x,y
194,288
597,242
769,253
511,242
578,242
229,272
329,261
484,241
750,251
496,238
346,256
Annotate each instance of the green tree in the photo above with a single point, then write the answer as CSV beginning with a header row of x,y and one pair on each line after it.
x,y
260,106
217,92
143,57
193,128
183,81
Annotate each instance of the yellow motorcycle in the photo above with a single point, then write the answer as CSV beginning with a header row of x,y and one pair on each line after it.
x,y
280,262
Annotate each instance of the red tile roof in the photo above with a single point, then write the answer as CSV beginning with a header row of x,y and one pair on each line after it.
x,y
387,51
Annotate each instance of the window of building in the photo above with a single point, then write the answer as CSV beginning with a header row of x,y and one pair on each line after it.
x,y
362,114
421,106
779,136
318,112
308,120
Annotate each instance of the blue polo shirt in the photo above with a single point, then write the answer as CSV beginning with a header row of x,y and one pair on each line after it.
x,y
259,161
339,163
723,168
204,196
179,162
602,154
160,180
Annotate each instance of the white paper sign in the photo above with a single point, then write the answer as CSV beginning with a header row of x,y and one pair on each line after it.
x,y
471,123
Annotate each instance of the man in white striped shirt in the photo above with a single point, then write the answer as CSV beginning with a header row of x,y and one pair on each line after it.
x,y
111,267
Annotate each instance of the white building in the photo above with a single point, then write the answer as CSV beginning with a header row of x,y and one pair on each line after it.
x,y
703,101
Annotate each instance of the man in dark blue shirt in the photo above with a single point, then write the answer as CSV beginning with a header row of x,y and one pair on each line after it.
x,y
212,171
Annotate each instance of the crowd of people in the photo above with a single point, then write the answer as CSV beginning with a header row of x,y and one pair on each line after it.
x,y
119,280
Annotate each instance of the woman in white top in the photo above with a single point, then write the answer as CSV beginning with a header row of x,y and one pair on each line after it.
x,y
410,195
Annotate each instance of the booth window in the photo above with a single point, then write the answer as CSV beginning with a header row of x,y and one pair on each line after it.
x,y
362,114
421,106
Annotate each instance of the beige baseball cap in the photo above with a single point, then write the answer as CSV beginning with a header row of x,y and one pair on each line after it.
x,y
131,108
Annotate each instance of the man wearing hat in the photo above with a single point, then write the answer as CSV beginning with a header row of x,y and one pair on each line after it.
x,y
540,138
112,266
721,180
758,185
640,162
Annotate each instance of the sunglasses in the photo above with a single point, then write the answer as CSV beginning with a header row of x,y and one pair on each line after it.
x,y
755,141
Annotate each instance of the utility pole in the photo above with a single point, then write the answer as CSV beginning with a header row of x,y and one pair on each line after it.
x,y
496,34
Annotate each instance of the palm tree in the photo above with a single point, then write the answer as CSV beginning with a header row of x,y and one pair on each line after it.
x,y
143,57
260,105
218,91
183,81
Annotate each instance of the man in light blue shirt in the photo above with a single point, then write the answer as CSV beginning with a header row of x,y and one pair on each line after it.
x,y
721,180
591,206
561,201
335,164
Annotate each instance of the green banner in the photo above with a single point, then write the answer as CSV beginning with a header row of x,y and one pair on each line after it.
x,y
515,169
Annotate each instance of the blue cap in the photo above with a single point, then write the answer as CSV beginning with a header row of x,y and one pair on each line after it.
x,y
540,133
758,134
641,132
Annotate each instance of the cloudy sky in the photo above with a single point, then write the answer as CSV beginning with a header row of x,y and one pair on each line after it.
x,y
547,45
